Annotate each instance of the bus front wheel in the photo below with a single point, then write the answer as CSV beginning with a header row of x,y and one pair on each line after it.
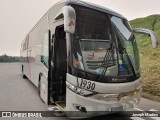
x,y
40,89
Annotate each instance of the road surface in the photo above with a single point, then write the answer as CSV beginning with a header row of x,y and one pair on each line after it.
x,y
18,94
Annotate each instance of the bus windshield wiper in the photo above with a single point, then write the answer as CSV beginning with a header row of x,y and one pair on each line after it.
x,y
105,63
104,66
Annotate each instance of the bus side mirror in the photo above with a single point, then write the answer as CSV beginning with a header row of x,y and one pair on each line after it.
x,y
69,15
153,36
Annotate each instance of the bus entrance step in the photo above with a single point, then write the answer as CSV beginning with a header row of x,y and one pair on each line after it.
x,y
61,104
57,111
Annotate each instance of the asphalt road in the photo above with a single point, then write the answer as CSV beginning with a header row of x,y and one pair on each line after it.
x,y
18,94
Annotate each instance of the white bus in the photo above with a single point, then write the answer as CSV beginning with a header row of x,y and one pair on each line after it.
x,y
84,57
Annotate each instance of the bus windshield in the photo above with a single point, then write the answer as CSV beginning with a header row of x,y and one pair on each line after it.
x,y
104,44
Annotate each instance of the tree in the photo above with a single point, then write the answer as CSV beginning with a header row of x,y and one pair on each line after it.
x,y
6,58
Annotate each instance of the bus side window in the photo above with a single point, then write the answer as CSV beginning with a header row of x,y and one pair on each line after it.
x,y
44,57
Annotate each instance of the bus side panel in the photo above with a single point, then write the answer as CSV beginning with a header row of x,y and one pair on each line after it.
x,y
34,51
38,57
37,40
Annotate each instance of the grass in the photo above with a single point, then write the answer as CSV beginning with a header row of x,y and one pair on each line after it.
x,y
150,58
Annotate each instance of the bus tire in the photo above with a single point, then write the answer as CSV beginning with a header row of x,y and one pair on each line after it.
x,y
39,90
23,75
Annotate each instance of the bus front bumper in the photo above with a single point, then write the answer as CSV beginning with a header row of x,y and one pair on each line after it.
x,y
80,106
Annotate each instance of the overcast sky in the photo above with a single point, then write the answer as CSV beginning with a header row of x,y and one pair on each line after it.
x,y
17,17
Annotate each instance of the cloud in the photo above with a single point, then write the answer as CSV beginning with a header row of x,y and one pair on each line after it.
x,y
19,16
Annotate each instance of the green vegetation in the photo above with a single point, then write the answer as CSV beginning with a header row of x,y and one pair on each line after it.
x,y
150,58
6,58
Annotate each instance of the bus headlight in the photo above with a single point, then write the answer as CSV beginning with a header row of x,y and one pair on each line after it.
x,y
116,97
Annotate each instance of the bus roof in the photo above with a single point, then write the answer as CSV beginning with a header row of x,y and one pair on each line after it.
x,y
83,3
91,5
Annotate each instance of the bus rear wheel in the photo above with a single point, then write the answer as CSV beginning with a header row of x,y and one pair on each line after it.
x,y
23,75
